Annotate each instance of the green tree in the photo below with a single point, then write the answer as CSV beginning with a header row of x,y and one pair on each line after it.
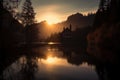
x,y
27,14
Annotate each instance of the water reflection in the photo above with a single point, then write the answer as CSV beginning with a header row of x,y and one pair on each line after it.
x,y
51,43
23,69
56,62
52,60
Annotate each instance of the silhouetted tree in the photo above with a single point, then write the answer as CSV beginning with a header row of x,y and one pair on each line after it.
x,y
1,4
102,15
10,5
105,37
114,11
104,4
10,28
27,14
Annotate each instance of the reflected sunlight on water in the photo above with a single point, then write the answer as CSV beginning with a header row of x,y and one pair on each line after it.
x,y
60,69
52,63
51,43
51,60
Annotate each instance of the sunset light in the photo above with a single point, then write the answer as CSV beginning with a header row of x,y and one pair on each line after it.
x,y
59,39
51,18
51,60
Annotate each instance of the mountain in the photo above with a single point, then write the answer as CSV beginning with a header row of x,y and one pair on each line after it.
x,y
38,31
77,20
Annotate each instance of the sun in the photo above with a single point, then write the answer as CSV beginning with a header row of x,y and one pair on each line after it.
x,y
51,18
50,60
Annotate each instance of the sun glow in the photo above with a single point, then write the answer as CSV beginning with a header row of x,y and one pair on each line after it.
x,y
50,43
51,18
51,60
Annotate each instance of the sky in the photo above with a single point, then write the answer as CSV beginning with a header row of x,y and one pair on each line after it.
x,y
54,11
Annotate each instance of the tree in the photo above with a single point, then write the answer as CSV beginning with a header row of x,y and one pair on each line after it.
x,y
10,5
1,4
104,5
27,14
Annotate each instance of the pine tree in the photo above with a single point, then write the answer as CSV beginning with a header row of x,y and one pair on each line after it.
x,y
27,14
104,5
10,5
1,4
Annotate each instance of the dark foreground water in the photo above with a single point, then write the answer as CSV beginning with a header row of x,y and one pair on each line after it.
x,y
55,62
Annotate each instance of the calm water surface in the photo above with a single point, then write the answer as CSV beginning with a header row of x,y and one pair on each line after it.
x,y
52,62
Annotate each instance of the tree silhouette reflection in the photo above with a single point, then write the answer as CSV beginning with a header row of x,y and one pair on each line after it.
x,y
29,65
29,68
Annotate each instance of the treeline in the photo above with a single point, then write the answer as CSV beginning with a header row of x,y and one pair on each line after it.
x,y
104,38
11,31
13,25
77,37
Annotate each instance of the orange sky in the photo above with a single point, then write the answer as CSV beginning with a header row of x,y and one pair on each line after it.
x,y
54,11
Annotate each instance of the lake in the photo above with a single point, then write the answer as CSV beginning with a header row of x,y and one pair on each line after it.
x,y
54,61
